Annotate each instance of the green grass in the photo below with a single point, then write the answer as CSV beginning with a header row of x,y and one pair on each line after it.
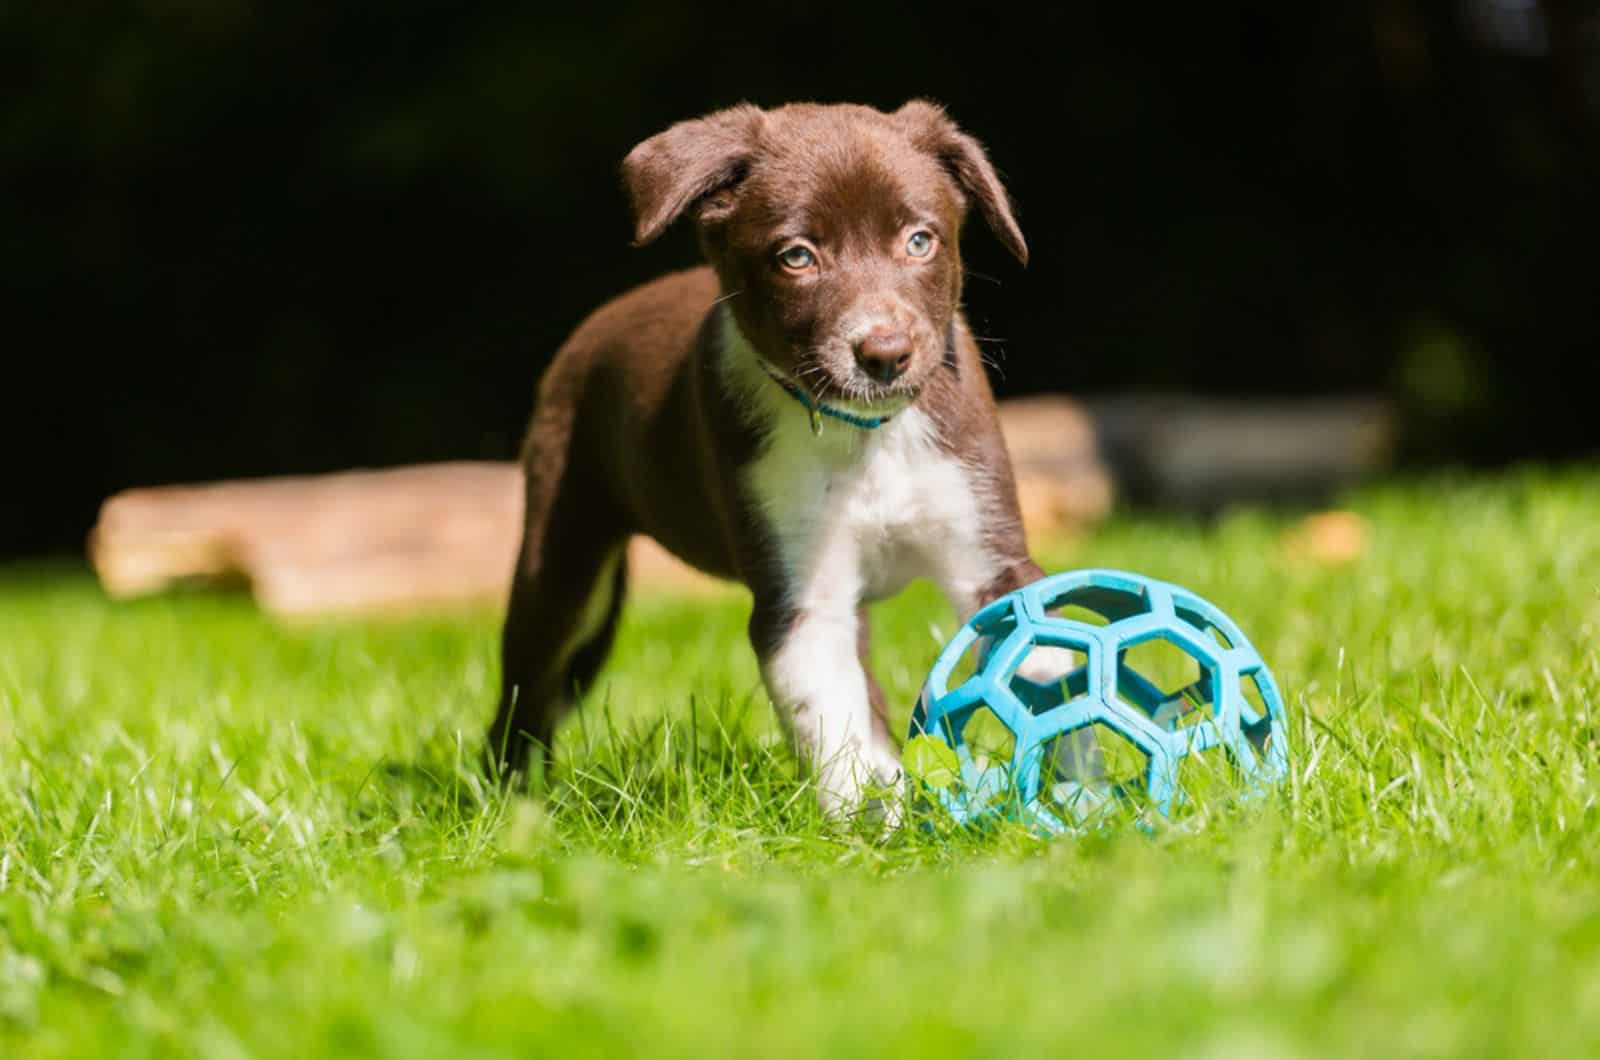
x,y
222,839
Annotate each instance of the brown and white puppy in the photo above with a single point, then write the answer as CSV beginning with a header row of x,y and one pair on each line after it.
x,y
809,416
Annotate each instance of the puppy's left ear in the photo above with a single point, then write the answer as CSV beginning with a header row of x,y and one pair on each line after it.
x,y
964,158
689,166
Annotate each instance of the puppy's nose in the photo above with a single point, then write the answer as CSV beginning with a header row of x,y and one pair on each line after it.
x,y
884,354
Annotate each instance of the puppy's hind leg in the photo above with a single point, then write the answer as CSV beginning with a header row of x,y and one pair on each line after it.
x,y
565,598
596,637
558,631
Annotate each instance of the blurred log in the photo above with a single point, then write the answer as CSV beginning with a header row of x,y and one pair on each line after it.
x,y
1062,484
442,536
404,539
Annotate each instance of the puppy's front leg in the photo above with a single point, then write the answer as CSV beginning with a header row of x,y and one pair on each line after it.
x,y
813,675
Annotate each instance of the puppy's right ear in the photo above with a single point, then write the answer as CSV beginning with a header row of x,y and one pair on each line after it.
x,y
965,160
687,165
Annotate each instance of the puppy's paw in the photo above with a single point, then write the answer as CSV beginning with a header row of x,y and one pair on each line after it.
x,y
874,797
883,812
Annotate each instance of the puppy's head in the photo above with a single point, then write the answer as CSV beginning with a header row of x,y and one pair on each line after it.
x,y
834,231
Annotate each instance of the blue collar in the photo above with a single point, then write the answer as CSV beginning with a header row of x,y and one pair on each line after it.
x,y
818,410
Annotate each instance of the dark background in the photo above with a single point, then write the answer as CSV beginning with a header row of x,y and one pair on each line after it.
x,y
245,237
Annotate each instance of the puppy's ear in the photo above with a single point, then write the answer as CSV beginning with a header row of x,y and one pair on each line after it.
x,y
687,166
963,157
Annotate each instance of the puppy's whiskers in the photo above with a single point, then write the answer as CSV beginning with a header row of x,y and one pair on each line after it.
x,y
810,373
993,360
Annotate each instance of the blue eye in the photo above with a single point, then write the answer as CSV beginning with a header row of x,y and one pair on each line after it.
x,y
920,245
797,258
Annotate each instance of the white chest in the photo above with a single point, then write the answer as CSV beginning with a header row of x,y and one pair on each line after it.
x,y
855,515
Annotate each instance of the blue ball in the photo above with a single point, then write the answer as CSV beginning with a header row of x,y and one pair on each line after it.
x,y
1106,621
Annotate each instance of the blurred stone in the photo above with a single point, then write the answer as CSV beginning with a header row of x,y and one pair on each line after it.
x,y
1202,453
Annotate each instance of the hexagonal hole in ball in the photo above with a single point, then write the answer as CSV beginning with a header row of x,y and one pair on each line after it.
x,y
1166,681
1090,772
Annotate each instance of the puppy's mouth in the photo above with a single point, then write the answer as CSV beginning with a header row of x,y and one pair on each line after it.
x,y
857,392
827,396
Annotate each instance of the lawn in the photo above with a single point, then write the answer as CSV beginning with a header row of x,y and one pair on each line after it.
x,y
220,838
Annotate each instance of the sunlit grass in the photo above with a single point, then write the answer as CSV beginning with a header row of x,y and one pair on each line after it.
x,y
220,838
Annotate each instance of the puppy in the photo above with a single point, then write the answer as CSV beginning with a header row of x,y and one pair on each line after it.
x,y
808,415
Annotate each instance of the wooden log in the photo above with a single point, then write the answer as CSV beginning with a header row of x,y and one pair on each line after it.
x,y
444,536
396,541
412,538
1063,485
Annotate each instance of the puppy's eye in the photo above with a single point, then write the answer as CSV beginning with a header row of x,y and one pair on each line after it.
x,y
920,245
797,258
